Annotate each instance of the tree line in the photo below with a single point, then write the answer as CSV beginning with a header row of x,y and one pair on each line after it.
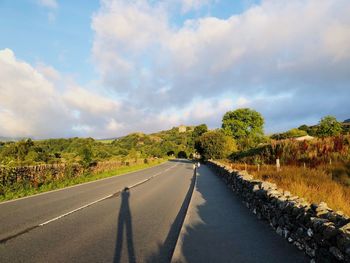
x,y
241,130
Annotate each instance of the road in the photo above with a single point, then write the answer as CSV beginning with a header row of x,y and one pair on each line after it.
x,y
156,218
139,225
219,228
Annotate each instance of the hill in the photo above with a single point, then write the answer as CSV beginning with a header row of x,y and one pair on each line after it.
x,y
135,145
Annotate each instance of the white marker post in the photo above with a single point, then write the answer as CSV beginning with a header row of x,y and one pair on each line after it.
x,y
278,165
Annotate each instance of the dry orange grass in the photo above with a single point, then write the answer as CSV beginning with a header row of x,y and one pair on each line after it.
x,y
314,185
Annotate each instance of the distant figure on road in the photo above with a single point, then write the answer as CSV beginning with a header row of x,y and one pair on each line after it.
x,y
198,164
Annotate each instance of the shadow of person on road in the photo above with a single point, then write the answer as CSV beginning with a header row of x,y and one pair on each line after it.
x,y
166,249
224,230
124,219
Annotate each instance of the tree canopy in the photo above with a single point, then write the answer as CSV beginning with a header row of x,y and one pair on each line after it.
x,y
199,130
329,126
246,126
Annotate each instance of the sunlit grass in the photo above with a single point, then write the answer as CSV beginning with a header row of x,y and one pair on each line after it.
x,y
314,185
20,190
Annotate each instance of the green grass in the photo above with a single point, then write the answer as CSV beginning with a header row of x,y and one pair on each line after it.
x,y
20,190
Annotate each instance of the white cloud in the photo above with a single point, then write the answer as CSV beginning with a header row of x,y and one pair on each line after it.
x,y
276,49
48,72
287,59
82,99
40,102
48,3
29,103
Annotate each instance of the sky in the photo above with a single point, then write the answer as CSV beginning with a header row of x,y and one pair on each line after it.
x,y
107,68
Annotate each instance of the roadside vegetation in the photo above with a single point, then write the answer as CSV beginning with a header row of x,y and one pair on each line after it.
x,y
328,183
314,161
316,169
26,188
29,166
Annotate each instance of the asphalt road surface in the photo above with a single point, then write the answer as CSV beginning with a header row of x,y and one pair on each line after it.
x,y
138,225
157,219
219,228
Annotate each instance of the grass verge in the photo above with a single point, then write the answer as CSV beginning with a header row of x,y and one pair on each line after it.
x,y
20,190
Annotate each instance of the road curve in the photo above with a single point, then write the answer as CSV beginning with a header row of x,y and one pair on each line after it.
x,y
139,225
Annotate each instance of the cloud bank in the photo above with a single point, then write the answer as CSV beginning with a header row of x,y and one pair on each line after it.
x,y
290,60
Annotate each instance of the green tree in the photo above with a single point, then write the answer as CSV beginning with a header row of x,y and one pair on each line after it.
x,y
329,126
199,130
246,126
304,127
216,145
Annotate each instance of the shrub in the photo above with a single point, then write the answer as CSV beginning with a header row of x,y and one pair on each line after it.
x,y
216,145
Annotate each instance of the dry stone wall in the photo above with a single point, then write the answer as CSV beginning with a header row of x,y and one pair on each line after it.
x,y
38,174
322,233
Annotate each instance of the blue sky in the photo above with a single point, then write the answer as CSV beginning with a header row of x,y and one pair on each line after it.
x,y
107,68
63,42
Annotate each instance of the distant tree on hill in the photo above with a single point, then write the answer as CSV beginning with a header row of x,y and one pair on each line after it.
x,y
216,145
329,126
245,126
199,130
303,127
293,133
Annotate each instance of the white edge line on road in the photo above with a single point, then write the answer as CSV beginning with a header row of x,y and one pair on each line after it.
x,y
177,248
76,185
75,210
86,205
103,198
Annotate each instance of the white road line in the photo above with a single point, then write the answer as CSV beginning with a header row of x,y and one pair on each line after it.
x,y
77,209
103,198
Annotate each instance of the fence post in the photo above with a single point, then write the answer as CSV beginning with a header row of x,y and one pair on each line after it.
x,y
278,165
